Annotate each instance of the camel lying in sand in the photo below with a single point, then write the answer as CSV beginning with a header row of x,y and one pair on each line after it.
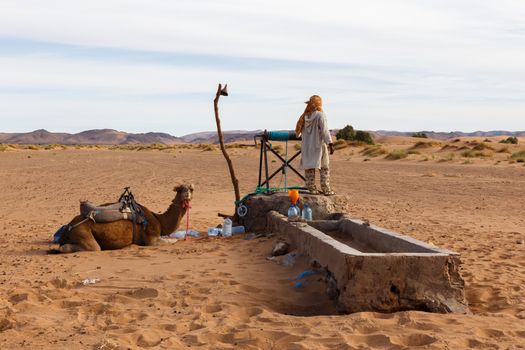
x,y
91,236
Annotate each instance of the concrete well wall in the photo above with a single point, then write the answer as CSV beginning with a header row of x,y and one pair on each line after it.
x,y
406,274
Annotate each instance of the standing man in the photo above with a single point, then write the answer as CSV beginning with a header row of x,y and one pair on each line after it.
x,y
316,142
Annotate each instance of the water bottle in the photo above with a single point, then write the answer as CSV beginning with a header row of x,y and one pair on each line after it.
x,y
214,231
227,228
238,229
293,212
307,212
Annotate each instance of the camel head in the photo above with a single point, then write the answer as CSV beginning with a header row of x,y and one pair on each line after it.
x,y
184,193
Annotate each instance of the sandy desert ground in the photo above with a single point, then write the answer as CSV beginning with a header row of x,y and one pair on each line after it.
x,y
223,293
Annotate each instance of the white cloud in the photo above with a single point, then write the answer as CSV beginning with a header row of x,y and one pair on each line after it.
x,y
399,63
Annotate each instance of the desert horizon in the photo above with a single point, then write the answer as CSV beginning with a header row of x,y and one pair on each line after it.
x,y
114,137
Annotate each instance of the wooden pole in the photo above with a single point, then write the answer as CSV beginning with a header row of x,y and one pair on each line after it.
x,y
235,181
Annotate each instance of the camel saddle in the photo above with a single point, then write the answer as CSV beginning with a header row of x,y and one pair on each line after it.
x,y
125,209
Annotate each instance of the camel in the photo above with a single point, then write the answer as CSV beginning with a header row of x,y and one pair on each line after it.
x,y
91,236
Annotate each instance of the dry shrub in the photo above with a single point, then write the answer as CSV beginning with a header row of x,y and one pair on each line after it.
x,y
397,154
481,146
518,156
373,151
449,148
207,147
55,146
340,144
448,158
279,149
354,143
504,149
233,145
8,147
425,144
297,147
475,154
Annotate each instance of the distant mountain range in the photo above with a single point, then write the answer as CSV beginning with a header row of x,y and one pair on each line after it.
x,y
114,137
449,135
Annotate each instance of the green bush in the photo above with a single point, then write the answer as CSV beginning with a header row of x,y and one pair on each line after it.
x,y
346,133
420,134
511,140
363,136
349,134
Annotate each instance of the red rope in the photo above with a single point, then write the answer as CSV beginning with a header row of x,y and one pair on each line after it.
x,y
187,205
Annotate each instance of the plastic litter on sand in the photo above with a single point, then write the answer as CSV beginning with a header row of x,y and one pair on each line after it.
x,y
89,281
182,234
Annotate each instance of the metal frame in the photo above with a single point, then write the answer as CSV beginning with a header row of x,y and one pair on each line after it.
x,y
265,146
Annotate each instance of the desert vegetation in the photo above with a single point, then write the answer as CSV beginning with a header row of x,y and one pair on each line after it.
x,y
512,140
373,151
420,134
397,154
518,156
349,134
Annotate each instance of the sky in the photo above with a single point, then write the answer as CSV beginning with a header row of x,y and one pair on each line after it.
x,y
140,66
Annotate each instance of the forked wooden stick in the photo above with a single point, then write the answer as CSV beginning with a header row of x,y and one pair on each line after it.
x,y
235,181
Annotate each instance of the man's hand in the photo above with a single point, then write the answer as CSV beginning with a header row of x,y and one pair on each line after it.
x,y
331,147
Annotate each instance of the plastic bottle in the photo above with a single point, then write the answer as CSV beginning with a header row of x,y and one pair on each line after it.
x,y
214,231
238,229
227,228
178,234
293,212
307,212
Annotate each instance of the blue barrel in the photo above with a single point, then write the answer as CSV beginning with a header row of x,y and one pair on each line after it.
x,y
281,136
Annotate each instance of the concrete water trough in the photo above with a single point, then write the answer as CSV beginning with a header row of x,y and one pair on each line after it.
x,y
375,269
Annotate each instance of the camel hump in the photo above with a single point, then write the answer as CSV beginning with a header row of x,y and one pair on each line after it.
x,y
105,213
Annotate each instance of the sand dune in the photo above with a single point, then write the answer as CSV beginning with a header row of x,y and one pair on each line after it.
x,y
225,294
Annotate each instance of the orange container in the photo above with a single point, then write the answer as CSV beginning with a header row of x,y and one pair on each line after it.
x,y
294,195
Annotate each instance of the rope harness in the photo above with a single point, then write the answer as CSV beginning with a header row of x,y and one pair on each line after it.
x,y
186,205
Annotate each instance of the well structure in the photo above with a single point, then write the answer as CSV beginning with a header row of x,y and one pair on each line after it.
x,y
372,268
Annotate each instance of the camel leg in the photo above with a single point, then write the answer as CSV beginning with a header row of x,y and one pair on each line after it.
x,y
151,240
80,239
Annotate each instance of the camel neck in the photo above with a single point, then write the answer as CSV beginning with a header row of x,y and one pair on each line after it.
x,y
172,218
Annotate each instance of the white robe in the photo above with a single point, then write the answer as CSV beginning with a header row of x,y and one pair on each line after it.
x,y
315,138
